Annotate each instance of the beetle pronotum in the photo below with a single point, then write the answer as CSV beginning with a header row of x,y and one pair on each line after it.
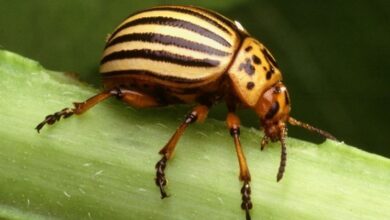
x,y
184,54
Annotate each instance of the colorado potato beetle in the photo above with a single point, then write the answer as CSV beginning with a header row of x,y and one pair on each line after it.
x,y
183,54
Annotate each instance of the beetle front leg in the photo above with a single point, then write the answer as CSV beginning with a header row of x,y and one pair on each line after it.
x,y
264,142
199,113
233,123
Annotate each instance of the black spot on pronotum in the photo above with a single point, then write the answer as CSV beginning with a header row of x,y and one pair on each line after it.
x,y
271,62
249,48
247,66
272,111
250,85
269,73
256,59
268,56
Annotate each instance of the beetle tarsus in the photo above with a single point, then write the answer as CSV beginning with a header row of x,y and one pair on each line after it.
x,y
247,215
51,119
160,179
246,199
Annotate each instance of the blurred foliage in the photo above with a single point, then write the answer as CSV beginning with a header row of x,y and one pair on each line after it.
x,y
333,53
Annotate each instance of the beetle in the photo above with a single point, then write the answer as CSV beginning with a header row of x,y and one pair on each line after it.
x,y
184,54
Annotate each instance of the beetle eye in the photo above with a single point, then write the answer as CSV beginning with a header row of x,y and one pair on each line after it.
x,y
277,90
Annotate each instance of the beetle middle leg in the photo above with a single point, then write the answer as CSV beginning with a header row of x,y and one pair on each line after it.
x,y
199,113
233,123
131,97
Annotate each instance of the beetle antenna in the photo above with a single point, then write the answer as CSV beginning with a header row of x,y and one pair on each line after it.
x,y
295,122
283,154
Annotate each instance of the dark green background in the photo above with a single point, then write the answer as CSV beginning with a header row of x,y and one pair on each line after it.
x,y
334,54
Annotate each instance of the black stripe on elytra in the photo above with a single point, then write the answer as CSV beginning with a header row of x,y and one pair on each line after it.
x,y
219,17
168,40
193,13
124,73
160,55
273,110
174,22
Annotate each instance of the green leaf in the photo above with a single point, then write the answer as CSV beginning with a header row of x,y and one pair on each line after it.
x,y
101,165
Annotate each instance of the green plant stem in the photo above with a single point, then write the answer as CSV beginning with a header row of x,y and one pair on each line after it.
x,y
101,165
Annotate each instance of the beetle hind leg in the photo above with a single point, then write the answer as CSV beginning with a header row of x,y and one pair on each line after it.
x,y
161,181
51,119
199,113
79,108
130,97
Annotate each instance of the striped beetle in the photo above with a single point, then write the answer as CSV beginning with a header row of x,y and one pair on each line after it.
x,y
184,54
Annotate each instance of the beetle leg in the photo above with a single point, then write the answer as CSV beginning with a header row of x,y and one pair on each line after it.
x,y
233,123
78,109
137,99
199,113
133,98
264,141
